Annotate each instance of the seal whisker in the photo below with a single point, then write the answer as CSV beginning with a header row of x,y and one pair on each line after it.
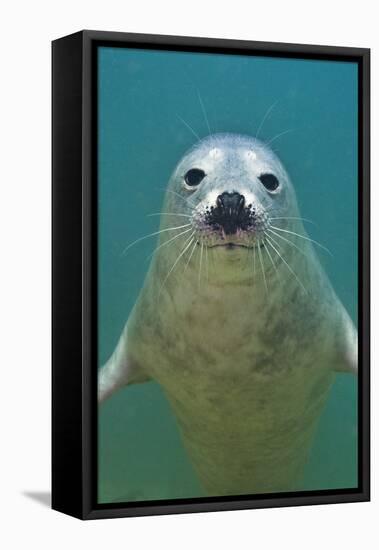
x,y
271,238
169,241
276,242
189,127
153,234
171,214
201,261
252,268
287,240
265,118
288,266
190,256
186,246
278,135
261,262
186,199
269,255
206,263
204,111
302,237
293,218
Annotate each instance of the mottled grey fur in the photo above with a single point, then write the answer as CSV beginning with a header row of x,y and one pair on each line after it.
x,y
245,359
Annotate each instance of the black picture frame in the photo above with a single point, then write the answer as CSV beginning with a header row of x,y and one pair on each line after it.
x,y
74,271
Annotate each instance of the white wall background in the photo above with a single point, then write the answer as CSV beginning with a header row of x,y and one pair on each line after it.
x,y
27,29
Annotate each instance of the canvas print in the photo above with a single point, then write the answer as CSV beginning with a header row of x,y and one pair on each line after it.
x,y
227,275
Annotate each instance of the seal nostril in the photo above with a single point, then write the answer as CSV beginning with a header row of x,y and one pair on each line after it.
x,y
233,200
230,213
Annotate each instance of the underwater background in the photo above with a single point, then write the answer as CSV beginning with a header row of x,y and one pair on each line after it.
x,y
142,95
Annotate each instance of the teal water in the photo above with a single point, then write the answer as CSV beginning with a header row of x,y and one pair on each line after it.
x,y
141,94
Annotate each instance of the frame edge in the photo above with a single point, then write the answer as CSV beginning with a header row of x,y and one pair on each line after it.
x,y
67,461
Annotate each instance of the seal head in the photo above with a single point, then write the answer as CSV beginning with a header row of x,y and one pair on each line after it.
x,y
230,186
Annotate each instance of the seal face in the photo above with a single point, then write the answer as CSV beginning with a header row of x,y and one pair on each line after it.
x,y
237,320
235,182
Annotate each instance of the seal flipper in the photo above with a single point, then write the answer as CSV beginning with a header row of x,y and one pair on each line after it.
x,y
120,370
347,347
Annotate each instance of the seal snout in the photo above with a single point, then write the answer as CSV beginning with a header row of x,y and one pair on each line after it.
x,y
230,214
233,201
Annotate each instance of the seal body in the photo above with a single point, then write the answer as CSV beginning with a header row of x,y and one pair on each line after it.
x,y
237,320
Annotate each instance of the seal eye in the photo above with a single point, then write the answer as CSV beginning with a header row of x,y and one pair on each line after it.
x,y
194,176
269,181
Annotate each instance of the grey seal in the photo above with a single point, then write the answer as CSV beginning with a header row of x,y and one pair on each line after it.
x,y
237,320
